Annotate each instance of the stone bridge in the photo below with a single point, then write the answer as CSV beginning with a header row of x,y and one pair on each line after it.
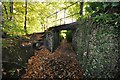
x,y
52,35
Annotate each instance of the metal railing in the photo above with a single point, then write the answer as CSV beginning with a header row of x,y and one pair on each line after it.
x,y
54,19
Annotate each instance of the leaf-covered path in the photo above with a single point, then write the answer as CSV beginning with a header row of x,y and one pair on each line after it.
x,y
60,64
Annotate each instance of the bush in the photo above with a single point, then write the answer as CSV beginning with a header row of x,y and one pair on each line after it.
x,y
69,36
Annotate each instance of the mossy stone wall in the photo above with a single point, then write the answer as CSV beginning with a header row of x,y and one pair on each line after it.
x,y
96,46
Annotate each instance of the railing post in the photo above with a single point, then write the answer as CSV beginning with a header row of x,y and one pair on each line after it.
x,y
60,21
56,18
64,15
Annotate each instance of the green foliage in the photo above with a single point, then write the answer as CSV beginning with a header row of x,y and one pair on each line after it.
x,y
37,13
112,19
69,35
74,9
36,16
96,8
61,37
14,26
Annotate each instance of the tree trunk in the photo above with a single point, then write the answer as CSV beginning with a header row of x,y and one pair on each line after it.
x,y
1,14
5,10
25,28
81,8
11,9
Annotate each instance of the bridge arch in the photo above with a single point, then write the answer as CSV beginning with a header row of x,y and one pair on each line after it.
x,y
52,35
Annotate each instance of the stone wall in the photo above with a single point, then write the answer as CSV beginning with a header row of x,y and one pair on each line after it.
x,y
96,46
51,40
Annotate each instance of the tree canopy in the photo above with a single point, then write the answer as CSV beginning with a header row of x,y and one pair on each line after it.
x,y
36,13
